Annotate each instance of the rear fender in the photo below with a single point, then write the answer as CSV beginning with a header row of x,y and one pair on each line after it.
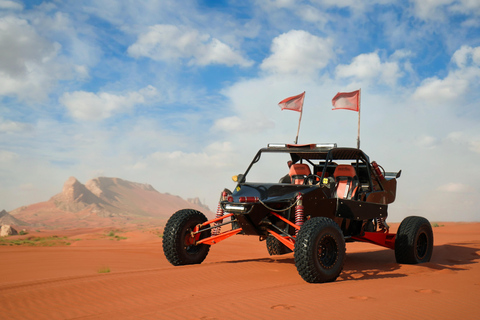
x,y
390,187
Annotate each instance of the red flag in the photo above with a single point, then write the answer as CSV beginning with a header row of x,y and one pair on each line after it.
x,y
294,103
347,101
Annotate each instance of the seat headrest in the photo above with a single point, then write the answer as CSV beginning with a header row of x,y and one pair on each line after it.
x,y
344,170
299,169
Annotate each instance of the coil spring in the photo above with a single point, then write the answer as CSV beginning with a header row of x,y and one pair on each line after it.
x,y
382,224
216,231
299,216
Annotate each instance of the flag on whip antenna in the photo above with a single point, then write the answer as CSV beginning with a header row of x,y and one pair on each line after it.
x,y
347,101
294,103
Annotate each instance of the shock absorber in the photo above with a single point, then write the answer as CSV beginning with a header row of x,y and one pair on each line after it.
x,y
383,225
216,230
299,215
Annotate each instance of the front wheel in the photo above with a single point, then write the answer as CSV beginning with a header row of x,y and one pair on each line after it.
x,y
178,242
319,250
414,241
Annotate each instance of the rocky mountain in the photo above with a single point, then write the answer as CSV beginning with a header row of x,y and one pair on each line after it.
x,y
8,219
105,202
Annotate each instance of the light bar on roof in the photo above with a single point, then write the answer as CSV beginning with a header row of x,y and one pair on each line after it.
x,y
276,145
326,145
318,145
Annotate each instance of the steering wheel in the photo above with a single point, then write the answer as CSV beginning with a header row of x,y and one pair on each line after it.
x,y
312,179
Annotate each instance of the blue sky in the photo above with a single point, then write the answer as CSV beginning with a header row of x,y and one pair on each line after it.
x,y
181,94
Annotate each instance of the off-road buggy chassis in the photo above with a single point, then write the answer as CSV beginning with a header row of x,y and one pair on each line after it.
x,y
312,214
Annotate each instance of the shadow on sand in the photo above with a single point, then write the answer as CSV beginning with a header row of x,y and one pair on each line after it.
x,y
381,263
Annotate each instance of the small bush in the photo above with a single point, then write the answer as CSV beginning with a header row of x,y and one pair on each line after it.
x,y
37,241
104,270
114,236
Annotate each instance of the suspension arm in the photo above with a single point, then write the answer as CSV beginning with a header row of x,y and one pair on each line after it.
x,y
197,228
285,220
216,239
289,243
379,238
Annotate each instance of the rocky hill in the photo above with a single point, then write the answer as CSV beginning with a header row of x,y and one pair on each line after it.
x,y
8,219
102,202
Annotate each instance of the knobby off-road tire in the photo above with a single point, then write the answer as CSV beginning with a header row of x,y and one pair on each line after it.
x,y
178,244
319,250
275,247
414,241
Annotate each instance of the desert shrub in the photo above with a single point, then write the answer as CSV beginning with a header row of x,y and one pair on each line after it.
x,y
104,270
112,235
37,241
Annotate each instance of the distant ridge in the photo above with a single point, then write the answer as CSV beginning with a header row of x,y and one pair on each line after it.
x,y
8,219
105,201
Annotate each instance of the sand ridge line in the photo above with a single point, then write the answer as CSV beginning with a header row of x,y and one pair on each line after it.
x,y
30,285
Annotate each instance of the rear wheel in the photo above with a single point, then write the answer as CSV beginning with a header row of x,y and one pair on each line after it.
x,y
319,250
414,241
179,243
275,247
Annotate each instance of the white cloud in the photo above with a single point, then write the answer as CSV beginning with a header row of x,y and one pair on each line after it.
x,y
84,105
453,88
455,187
33,64
352,4
438,91
278,3
471,140
22,66
430,9
10,5
312,15
426,141
8,156
441,9
213,157
298,52
192,174
466,56
369,68
251,124
170,43
9,126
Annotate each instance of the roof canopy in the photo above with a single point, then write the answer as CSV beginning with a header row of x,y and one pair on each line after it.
x,y
318,152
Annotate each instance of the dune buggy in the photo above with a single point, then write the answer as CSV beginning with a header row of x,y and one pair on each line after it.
x,y
320,197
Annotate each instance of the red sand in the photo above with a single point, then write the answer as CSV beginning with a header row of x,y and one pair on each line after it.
x,y
238,280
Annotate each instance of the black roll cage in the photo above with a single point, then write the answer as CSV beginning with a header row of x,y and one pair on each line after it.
x,y
298,153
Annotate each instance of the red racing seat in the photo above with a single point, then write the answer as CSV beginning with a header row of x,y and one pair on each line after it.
x,y
347,181
298,172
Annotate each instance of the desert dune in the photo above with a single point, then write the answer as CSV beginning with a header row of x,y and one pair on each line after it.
x,y
126,276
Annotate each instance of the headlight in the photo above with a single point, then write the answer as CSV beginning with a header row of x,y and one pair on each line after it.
x,y
234,207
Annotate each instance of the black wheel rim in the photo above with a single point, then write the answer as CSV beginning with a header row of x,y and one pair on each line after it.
x,y
422,245
190,248
327,252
